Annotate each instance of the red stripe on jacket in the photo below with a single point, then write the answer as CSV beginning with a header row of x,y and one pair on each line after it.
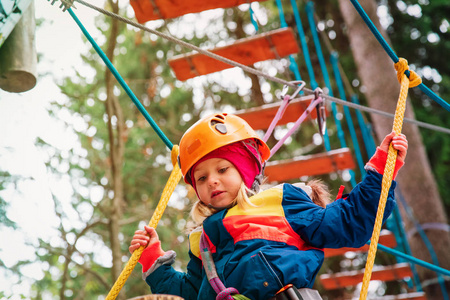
x,y
272,228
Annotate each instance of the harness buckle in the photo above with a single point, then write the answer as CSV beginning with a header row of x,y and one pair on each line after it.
x,y
290,292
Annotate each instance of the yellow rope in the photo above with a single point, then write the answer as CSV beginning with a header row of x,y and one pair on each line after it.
x,y
174,178
401,66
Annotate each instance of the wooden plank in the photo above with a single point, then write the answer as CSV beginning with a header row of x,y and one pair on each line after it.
x,y
265,46
409,296
147,10
309,165
352,278
387,239
260,117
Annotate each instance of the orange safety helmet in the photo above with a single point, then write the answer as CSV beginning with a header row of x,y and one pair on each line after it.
x,y
211,133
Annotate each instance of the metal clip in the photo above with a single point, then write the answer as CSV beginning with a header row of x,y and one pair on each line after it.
x,y
65,4
301,84
321,113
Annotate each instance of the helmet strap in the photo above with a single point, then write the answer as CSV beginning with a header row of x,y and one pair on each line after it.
x,y
251,143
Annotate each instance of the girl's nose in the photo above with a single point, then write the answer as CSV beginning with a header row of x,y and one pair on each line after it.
x,y
212,180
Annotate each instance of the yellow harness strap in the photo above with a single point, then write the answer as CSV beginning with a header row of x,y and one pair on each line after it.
x,y
174,178
414,80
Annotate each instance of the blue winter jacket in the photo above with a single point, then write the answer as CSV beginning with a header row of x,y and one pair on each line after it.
x,y
279,241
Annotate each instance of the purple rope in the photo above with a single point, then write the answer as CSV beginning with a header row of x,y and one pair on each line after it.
x,y
296,125
223,293
226,294
278,116
216,285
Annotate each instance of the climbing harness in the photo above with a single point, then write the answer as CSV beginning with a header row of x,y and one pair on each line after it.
x,y
223,293
172,182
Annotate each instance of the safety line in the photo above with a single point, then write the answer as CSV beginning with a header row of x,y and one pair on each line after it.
x,y
122,82
392,54
257,72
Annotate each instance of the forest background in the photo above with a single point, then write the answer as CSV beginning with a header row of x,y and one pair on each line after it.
x,y
117,166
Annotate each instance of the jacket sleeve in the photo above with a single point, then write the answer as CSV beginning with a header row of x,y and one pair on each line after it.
x,y
166,280
346,222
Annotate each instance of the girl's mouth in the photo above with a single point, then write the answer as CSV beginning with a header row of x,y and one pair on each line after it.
x,y
216,193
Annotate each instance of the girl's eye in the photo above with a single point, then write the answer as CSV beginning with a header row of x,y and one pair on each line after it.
x,y
201,178
223,170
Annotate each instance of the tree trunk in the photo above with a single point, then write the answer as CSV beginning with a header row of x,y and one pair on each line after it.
x,y
116,142
415,180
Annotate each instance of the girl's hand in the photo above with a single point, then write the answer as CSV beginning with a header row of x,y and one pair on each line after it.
x,y
399,143
378,160
150,240
144,238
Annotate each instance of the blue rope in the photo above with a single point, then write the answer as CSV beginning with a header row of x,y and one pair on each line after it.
x,y
348,116
366,133
413,260
340,132
401,235
121,81
309,67
393,56
293,64
283,23
253,18
305,50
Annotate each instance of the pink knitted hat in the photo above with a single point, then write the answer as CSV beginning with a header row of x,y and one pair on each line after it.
x,y
243,155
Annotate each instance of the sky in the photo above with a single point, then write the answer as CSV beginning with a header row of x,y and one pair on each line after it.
x,y
23,118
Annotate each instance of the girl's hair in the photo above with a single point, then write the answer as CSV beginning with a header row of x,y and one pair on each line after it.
x,y
320,194
201,211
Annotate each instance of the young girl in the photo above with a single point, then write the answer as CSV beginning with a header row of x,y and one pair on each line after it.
x,y
260,242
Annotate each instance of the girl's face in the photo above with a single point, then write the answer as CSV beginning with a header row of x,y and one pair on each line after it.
x,y
217,182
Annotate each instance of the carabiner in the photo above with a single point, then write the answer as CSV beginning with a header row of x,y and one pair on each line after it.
x,y
321,113
301,84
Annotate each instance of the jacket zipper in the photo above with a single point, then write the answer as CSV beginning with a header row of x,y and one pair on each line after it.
x,y
270,268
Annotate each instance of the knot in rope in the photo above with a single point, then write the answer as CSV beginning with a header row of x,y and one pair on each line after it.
x,y
226,293
174,154
402,66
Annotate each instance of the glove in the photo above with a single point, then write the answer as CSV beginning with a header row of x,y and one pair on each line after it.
x,y
378,160
152,252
